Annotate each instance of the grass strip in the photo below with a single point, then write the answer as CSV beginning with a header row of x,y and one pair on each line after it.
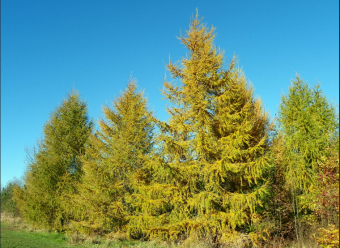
x,y
11,238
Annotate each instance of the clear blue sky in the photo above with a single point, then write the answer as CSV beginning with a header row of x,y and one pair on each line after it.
x,y
49,47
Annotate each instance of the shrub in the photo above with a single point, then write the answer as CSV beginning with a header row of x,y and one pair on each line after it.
x,y
7,203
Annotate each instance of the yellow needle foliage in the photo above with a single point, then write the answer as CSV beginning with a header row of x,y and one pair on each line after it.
x,y
206,177
112,159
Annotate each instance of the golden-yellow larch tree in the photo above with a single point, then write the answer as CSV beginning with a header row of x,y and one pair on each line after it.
x,y
207,177
115,154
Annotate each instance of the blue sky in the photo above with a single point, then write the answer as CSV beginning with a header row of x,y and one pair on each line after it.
x,y
50,47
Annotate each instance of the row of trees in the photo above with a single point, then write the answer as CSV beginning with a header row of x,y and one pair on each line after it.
x,y
216,169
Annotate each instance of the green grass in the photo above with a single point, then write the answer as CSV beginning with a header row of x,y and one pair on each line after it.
x,y
11,238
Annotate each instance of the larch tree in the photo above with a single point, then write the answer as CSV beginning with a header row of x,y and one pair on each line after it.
x,y
55,165
308,124
207,176
114,157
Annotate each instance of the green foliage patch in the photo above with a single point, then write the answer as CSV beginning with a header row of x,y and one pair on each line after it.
x,y
7,203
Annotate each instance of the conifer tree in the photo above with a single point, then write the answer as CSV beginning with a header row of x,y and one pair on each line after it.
x,y
206,178
114,157
55,164
307,124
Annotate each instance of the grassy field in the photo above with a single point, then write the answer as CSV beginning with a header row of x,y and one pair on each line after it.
x,y
12,237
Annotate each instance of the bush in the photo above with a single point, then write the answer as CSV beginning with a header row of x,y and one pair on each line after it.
x,y
7,203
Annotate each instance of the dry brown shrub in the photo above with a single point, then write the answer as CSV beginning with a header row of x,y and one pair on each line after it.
x,y
17,223
117,236
75,238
